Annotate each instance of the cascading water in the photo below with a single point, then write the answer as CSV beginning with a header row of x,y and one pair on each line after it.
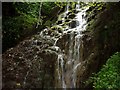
x,y
67,67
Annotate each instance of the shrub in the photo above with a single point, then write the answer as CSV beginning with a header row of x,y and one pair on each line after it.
x,y
109,76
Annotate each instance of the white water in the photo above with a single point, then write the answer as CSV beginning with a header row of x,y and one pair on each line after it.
x,y
67,69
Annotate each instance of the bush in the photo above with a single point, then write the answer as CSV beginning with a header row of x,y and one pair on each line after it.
x,y
109,76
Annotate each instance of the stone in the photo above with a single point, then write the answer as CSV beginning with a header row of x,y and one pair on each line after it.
x,y
71,16
59,22
69,12
39,43
73,24
67,20
74,11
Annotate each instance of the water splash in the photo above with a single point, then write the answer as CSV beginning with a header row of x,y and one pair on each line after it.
x,y
78,5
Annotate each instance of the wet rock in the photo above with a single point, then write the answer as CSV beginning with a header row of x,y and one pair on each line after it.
x,y
63,42
69,12
56,27
54,48
59,22
85,32
71,16
75,11
36,42
67,20
66,17
56,30
73,24
39,43
60,30
49,32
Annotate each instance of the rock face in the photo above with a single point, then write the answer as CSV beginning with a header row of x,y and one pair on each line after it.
x,y
73,24
30,64
100,41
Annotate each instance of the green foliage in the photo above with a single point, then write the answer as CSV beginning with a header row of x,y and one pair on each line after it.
x,y
27,8
20,25
109,76
32,9
47,7
61,4
94,10
97,5
15,28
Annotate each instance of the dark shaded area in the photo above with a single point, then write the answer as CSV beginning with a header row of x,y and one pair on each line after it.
x,y
13,30
8,10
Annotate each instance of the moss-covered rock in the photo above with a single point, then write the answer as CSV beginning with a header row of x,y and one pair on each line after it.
x,y
73,23
71,16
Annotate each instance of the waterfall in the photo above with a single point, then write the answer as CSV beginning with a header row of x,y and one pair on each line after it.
x,y
67,67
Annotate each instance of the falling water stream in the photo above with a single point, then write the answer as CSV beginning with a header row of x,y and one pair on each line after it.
x,y
67,69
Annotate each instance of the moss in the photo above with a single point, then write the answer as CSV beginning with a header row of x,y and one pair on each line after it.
x,y
57,27
48,23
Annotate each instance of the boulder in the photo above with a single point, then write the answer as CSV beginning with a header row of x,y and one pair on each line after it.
x,y
75,11
71,16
